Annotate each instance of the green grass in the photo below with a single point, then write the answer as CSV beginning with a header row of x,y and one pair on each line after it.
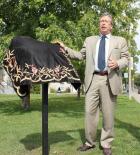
x,y
20,131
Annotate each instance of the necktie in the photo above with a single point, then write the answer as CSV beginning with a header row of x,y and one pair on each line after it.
x,y
101,54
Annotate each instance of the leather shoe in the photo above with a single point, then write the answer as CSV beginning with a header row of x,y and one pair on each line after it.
x,y
107,151
85,147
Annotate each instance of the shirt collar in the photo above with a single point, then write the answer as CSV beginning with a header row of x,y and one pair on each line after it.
x,y
107,36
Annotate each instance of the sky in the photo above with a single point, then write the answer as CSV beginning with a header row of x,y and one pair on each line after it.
x,y
137,39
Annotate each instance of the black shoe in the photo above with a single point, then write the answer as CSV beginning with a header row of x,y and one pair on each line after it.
x,y
85,147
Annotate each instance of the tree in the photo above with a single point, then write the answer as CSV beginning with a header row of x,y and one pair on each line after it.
x,y
70,21
137,80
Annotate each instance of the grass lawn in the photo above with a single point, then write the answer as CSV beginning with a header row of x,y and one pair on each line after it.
x,y
20,131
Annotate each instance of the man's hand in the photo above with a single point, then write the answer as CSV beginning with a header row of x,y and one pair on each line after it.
x,y
58,42
62,46
112,63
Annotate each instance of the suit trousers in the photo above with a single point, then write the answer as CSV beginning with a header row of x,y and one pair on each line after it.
x,y
99,97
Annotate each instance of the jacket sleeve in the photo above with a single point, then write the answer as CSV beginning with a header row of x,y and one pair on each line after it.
x,y
123,61
77,55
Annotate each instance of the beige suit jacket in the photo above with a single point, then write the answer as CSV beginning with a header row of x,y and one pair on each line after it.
x,y
117,49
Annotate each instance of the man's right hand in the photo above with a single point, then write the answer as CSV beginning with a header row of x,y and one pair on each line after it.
x,y
58,42
62,46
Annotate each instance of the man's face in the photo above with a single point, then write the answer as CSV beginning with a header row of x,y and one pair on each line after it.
x,y
105,25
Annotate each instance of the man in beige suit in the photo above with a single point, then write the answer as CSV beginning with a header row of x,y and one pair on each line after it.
x,y
105,56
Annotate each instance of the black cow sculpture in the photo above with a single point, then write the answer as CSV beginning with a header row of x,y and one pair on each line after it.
x,y
31,61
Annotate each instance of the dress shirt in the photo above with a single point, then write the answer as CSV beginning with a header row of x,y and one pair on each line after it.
x,y
107,39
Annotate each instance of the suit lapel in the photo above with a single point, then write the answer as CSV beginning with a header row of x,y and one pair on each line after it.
x,y
94,46
111,45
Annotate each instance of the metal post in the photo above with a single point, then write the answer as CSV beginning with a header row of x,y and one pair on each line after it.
x,y
130,85
45,119
130,63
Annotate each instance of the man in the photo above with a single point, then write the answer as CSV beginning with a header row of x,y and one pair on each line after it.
x,y
105,56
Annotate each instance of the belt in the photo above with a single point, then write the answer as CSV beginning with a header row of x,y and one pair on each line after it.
x,y
102,73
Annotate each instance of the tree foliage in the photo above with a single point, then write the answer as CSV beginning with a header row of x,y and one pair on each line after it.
x,y
137,80
70,21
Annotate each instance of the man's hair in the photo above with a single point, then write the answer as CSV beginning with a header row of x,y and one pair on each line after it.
x,y
107,14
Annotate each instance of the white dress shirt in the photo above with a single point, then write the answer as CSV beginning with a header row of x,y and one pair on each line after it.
x,y
107,40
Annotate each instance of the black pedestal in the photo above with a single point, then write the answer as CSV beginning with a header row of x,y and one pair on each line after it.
x,y
45,119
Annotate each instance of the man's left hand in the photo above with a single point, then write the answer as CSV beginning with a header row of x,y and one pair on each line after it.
x,y
112,63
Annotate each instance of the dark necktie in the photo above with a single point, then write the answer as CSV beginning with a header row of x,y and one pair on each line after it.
x,y
101,54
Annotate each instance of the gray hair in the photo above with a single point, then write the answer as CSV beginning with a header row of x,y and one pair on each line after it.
x,y
107,14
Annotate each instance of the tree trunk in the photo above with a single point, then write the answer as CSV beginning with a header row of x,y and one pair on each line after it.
x,y
78,93
26,99
82,89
